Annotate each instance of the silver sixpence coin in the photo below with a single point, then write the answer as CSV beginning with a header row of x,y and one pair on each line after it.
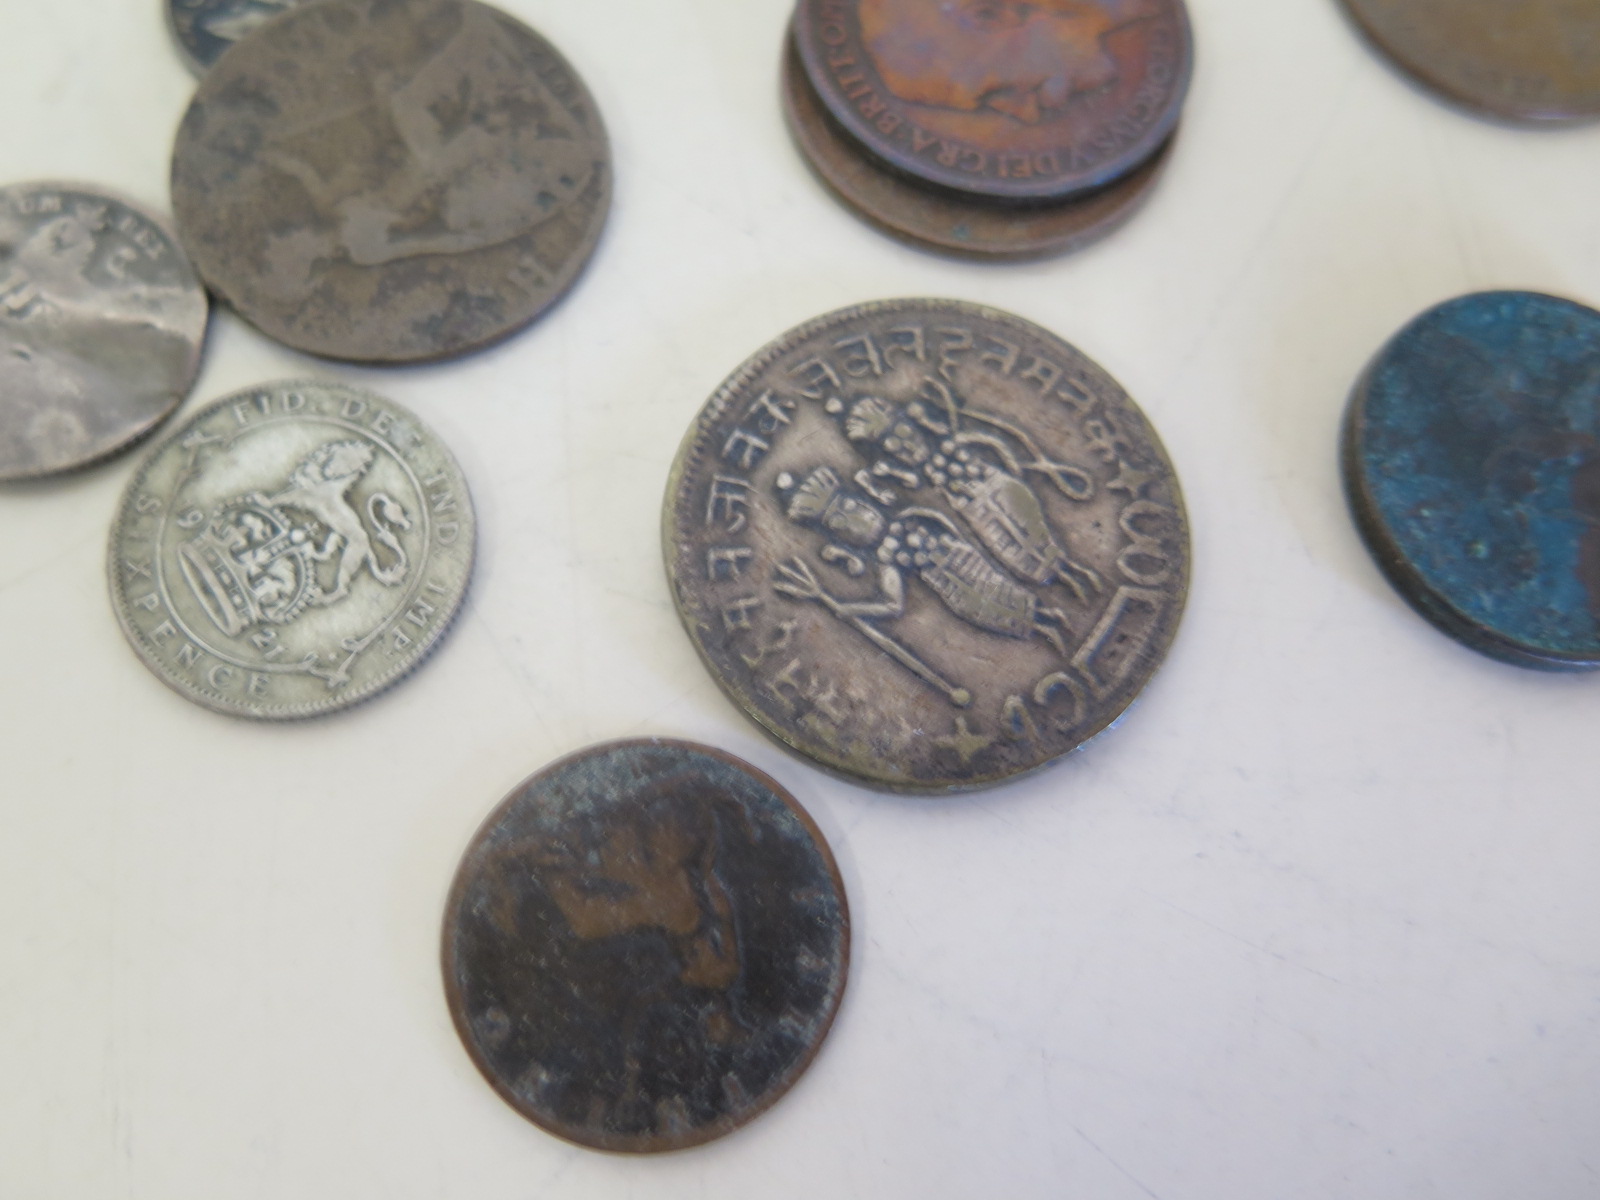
x,y
203,29
391,180
928,544
101,323
293,549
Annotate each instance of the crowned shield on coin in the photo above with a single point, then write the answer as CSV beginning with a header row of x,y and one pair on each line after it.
x,y
928,544
294,549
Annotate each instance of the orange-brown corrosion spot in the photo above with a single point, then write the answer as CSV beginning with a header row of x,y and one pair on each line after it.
x,y
1023,58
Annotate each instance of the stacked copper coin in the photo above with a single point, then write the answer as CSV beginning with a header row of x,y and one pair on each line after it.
x,y
989,127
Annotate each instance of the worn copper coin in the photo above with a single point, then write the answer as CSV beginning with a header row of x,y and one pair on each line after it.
x,y
928,544
205,28
1005,99
947,220
101,324
391,180
293,549
645,945
1472,464
1523,60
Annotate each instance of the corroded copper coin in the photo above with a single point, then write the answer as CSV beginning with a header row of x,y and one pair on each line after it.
x,y
1007,99
645,946
947,220
391,180
1472,465
1524,60
927,544
101,324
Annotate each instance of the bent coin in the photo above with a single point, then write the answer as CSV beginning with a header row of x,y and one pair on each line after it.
x,y
1531,60
391,180
645,945
293,549
947,220
927,544
1471,460
1005,99
101,323
203,29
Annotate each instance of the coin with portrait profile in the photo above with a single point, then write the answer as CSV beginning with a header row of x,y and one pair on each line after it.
x,y
926,544
1002,99
1471,462
291,550
1533,61
391,181
645,945
950,221
102,319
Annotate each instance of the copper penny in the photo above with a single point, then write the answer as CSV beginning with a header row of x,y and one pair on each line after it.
x,y
947,220
1522,60
391,180
645,946
1007,99
927,544
1471,460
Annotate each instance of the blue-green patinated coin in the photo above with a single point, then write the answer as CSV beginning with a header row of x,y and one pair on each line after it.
x,y
1472,466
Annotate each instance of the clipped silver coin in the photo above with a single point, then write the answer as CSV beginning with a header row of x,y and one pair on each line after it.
x,y
101,324
293,549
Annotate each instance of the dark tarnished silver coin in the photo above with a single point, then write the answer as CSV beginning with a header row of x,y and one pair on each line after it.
x,y
947,220
928,544
1522,60
205,28
391,180
293,549
101,324
645,945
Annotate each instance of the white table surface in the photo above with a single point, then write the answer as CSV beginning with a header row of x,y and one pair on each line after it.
x,y
1321,919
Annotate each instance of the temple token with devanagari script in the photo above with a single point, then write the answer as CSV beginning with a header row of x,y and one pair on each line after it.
x,y
927,544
